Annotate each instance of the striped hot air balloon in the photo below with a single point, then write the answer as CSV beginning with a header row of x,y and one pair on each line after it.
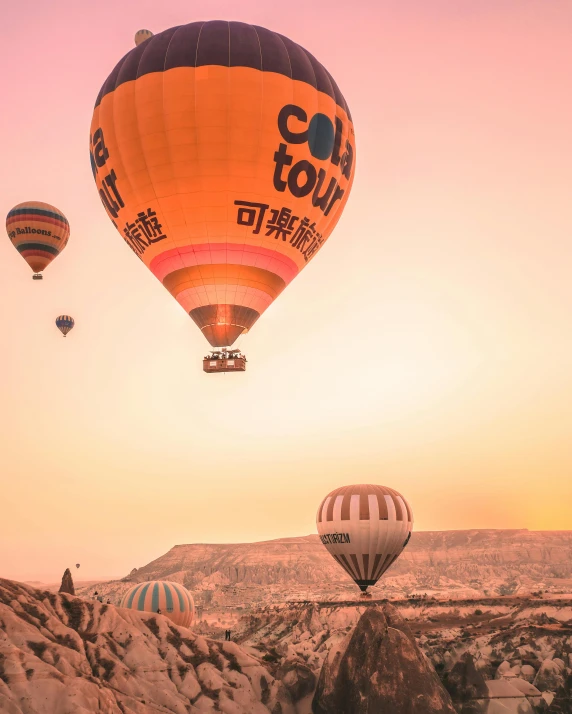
x,y
141,36
39,232
364,528
65,323
224,154
172,599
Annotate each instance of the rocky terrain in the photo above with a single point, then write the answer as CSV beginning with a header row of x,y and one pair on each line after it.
x,y
497,656
61,654
64,655
378,668
461,564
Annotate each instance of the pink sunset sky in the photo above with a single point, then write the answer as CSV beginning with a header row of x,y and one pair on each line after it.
x,y
427,348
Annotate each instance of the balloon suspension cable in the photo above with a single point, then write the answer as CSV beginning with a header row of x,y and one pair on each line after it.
x,y
226,353
241,353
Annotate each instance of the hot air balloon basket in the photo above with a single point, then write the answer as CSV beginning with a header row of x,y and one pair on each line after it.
x,y
236,364
37,276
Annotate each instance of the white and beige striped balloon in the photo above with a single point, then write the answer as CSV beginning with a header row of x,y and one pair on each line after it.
x,y
364,527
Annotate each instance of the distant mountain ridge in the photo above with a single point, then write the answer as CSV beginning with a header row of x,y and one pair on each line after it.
x,y
466,563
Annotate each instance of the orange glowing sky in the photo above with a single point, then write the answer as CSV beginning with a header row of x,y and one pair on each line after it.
x,y
428,347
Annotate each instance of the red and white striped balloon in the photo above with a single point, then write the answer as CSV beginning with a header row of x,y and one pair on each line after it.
x,y
364,527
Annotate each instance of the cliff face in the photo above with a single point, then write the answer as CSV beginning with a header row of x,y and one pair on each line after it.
x,y
285,560
379,669
451,563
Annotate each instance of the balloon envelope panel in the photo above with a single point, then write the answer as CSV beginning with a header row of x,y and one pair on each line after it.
x,y
365,528
38,231
174,600
224,154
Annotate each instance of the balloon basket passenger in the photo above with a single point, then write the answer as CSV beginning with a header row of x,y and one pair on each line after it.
x,y
224,360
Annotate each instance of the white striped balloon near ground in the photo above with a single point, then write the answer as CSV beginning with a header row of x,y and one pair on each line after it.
x,y
364,527
172,599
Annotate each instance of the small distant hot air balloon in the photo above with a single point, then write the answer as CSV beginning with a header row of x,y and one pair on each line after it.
x,y
364,528
141,36
224,154
65,323
172,599
77,565
39,232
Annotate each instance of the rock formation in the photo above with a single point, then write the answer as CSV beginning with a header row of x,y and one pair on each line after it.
x,y
562,701
67,583
298,678
60,653
464,682
460,564
551,675
379,669
487,653
63,654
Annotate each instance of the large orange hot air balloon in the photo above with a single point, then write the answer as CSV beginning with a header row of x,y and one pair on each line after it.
x,y
364,528
39,232
224,154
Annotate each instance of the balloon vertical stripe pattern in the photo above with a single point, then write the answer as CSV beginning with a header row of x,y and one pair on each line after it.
x,y
65,323
141,36
38,231
364,527
388,501
141,599
168,596
224,155
128,600
174,600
